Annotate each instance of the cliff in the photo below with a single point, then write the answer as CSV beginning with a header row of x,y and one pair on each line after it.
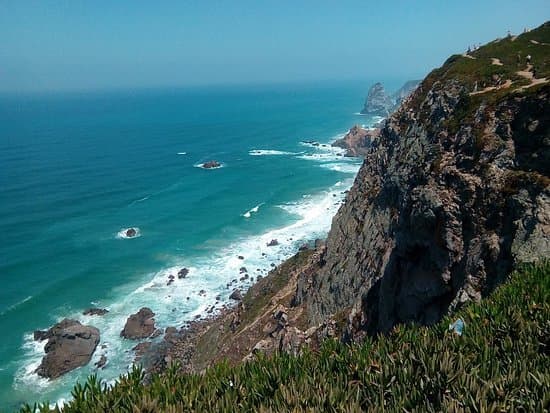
x,y
450,197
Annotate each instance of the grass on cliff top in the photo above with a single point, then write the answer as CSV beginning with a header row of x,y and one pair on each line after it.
x,y
500,363
512,53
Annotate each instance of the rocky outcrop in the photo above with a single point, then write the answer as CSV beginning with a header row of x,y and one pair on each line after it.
x,y
357,141
378,103
452,194
70,345
211,164
131,232
139,325
95,311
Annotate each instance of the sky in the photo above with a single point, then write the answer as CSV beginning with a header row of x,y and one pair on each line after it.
x,y
96,44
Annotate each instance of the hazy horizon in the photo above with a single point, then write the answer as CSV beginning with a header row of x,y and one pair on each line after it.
x,y
53,46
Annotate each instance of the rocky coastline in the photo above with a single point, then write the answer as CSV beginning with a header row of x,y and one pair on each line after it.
x,y
453,193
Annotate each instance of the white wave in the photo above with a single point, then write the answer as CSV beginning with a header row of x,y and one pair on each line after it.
x,y
122,233
182,153
205,290
268,152
348,168
17,304
248,213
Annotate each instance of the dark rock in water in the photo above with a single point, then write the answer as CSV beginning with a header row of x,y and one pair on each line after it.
x,y
131,232
100,364
70,345
272,243
211,164
139,325
240,257
236,295
95,311
183,273
303,247
242,270
202,292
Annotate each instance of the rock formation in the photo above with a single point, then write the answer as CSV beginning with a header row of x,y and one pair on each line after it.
x,y
139,325
378,103
451,195
95,311
357,141
211,164
70,345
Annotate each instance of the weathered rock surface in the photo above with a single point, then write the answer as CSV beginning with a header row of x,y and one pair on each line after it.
x,y
450,196
70,345
139,325
357,141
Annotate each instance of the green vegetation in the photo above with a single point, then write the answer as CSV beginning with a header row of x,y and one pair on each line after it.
x,y
500,363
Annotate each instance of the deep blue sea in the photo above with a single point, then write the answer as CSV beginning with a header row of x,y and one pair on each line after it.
x,y
76,169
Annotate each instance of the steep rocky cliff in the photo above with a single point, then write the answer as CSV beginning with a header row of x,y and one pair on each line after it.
x,y
453,193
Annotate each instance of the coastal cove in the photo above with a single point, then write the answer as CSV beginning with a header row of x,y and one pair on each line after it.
x,y
79,169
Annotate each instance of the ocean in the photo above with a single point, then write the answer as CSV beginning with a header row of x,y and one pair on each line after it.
x,y
77,169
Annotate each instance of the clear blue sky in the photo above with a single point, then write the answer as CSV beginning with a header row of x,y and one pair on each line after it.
x,y
96,44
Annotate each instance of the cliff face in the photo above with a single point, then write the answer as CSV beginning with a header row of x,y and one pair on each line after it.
x,y
454,190
452,194
378,103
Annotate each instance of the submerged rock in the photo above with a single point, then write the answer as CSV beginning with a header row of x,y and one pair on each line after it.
x,y
131,232
70,345
272,243
211,164
95,311
139,325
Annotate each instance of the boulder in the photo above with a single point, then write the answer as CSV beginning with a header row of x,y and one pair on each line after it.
x,y
131,232
211,164
272,243
236,295
95,311
70,345
139,325
183,273
100,364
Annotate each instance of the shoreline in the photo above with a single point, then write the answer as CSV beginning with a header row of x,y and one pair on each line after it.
x,y
25,376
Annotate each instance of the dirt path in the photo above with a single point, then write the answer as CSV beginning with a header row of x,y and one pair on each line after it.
x,y
468,56
496,61
528,74
505,85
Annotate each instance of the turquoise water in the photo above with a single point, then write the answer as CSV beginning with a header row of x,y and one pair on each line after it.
x,y
76,169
